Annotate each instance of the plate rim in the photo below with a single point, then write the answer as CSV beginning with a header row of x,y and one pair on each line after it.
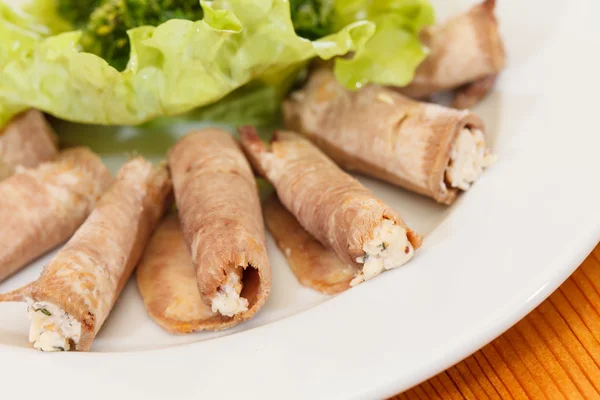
x,y
132,372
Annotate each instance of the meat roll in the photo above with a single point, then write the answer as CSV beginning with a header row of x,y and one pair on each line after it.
x,y
220,213
26,141
42,207
331,205
166,278
75,293
464,50
425,148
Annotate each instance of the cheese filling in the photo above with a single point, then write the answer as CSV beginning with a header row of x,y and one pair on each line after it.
x,y
389,248
52,329
468,158
227,300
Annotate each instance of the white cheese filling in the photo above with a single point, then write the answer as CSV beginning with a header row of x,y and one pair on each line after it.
x,y
52,329
389,248
468,158
227,300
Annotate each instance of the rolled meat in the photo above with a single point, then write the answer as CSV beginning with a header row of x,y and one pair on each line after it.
x,y
27,141
314,265
166,278
42,207
331,205
222,222
465,49
75,293
425,148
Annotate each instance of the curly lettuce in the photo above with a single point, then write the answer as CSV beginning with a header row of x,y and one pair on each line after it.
x,y
394,52
390,56
181,65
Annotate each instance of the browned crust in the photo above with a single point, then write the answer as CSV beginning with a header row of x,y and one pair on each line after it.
x,y
464,49
381,133
220,212
27,141
330,204
314,265
166,278
87,275
41,208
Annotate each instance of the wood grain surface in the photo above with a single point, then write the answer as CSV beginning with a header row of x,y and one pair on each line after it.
x,y
554,352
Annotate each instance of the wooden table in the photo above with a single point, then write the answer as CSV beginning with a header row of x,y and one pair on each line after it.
x,y
554,352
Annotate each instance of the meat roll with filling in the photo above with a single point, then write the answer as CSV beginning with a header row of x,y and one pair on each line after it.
x,y
332,206
222,222
76,291
426,148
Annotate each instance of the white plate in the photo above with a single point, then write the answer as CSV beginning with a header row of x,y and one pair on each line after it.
x,y
487,261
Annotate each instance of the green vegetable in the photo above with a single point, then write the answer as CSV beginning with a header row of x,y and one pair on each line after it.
x,y
313,19
394,52
181,65
76,11
256,105
44,311
173,68
105,23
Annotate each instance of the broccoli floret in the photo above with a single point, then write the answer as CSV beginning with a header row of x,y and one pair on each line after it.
x,y
105,23
77,12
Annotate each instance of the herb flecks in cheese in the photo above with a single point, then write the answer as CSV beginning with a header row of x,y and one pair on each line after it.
x,y
389,248
52,329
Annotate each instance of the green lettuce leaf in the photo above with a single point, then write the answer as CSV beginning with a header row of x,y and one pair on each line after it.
x,y
173,68
393,53
250,105
240,52
253,104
